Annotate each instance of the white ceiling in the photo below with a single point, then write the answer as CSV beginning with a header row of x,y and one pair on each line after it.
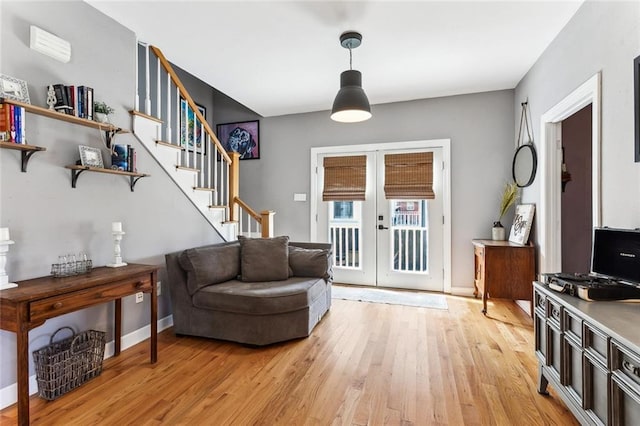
x,y
284,57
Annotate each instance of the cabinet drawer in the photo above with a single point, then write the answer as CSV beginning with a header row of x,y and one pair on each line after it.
x,y
596,343
540,303
626,365
572,326
554,312
58,305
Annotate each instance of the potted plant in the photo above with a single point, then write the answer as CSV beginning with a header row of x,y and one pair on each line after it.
x,y
509,197
102,111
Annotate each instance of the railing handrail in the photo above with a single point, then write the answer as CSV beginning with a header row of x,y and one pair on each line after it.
x,y
248,209
183,92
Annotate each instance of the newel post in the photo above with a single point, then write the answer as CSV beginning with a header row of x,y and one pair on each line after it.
x,y
234,186
267,223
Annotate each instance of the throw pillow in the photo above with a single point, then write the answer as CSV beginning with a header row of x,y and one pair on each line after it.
x,y
264,259
210,265
309,262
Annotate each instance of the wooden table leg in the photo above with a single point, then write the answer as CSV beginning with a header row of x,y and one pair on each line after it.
x,y
22,359
484,302
154,318
117,338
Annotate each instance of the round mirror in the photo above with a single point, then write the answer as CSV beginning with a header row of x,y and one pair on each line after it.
x,y
525,162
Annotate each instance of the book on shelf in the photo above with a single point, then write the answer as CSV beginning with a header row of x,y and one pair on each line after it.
x,y
120,157
12,124
62,100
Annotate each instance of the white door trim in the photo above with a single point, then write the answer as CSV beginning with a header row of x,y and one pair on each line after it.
x,y
550,255
445,144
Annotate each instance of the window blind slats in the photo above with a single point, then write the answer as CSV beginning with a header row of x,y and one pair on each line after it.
x,y
409,176
345,178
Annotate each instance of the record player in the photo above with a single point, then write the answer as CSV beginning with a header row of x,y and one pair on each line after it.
x,y
615,268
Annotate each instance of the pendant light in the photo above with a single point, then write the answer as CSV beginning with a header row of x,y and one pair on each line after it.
x,y
351,104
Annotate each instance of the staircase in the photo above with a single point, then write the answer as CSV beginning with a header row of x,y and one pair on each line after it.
x,y
172,128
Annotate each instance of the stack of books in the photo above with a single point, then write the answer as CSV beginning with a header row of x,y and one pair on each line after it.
x,y
12,124
74,100
123,157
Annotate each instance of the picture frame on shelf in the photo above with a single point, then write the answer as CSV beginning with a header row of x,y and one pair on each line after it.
x,y
242,137
90,157
14,88
636,100
522,221
192,136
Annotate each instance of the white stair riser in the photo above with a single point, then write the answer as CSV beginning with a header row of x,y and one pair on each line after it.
x,y
147,132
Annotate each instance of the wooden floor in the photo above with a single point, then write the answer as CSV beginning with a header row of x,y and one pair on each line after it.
x,y
364,364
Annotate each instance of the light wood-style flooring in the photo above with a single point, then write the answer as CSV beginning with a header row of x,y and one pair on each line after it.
x,y
364,364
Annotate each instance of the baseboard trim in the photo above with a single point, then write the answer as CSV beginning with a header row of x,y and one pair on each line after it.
x,y
9,394
462,291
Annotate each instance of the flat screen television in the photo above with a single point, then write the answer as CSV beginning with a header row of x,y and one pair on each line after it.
x,y
616,254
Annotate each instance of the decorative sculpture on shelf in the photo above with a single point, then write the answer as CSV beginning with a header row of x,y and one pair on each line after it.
x,y
116,230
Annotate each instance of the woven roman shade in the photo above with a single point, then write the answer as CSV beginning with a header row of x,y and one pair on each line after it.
x,y
345,178
408,176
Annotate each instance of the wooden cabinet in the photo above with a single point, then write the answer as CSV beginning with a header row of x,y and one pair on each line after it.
x,y
503,270
590,353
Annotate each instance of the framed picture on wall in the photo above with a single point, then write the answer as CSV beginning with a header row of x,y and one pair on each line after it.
x,y
242,137
636,115
192,134
522,222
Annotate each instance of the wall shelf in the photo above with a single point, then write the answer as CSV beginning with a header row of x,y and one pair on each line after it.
x,y
26,151
77,170
109,129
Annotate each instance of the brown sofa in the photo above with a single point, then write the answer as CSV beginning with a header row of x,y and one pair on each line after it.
x,y
252,291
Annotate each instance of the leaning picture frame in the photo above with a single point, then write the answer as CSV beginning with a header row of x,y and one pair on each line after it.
x,y
242,137
90,157
192,133
522,221
14,88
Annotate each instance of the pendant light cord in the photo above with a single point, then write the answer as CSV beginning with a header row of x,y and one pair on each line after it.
x,y
350,59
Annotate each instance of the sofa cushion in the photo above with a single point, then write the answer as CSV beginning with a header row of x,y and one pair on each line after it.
x,y
260,298
309,262
264,259
210,265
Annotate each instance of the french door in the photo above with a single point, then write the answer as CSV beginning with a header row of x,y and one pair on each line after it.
x,y
385,242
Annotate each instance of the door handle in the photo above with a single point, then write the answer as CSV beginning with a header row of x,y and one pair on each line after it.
x,y
382,227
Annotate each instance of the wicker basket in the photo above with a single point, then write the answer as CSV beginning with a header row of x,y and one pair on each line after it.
x,y
63,366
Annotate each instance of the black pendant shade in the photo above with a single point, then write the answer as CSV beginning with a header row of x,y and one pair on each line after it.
x,y
351,104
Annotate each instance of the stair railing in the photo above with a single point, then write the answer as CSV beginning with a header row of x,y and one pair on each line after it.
x,y
217,171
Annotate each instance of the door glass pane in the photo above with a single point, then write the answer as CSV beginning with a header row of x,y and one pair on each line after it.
x,y
345,223
409,249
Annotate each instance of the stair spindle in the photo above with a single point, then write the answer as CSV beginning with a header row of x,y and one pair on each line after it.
x,y
147,99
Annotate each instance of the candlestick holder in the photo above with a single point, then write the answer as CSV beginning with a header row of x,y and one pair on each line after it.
x,y
117,254
4,278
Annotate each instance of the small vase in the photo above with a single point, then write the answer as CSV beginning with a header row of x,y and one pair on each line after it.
x,y
497,232
101,117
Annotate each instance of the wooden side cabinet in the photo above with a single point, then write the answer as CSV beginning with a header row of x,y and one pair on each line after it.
x,y
589,352
503,270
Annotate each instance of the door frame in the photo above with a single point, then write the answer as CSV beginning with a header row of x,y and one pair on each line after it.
x,y
444,144
550,255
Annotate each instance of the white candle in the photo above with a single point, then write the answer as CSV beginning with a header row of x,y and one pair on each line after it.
x,y
116,227
4,234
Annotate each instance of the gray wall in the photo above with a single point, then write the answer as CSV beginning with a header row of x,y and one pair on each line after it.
x,y
45,215
605,37
480,127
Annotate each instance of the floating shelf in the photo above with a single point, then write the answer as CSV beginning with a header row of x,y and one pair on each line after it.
x,y
26,151
109,129
76,170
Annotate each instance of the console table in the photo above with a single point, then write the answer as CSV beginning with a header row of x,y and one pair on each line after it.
x,y
590,353
503,270
34,301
